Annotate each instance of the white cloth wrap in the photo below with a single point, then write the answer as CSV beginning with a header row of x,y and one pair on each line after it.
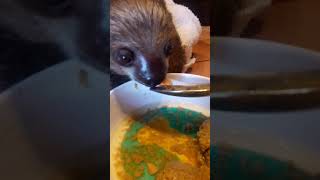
x,y
188,27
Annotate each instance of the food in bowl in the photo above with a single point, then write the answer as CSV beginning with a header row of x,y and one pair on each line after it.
x,y
165,143
179,170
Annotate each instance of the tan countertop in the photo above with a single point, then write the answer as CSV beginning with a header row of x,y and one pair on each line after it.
x,y
202,52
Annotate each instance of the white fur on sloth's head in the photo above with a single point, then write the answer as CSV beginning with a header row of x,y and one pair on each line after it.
x,y
188,27
186,22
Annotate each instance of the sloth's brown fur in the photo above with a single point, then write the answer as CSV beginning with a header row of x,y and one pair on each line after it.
x,y
144,25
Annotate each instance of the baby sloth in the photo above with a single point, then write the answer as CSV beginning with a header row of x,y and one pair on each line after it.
x,y
144,43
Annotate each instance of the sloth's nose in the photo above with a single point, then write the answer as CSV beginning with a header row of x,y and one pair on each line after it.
x,y
154,80
151,71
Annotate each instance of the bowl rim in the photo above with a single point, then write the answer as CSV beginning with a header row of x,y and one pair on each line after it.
x,y
170,74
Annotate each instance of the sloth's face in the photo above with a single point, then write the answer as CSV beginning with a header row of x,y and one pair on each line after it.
x,y
148,66
142,38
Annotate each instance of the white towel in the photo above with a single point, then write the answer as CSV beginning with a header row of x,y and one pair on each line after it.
x,y
188,27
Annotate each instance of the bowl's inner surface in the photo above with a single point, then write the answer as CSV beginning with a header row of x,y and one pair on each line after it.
x,y
136,104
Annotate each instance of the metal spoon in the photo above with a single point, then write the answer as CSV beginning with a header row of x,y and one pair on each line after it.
x,y
256,93
183,91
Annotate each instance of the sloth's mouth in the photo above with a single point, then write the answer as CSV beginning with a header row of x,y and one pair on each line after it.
x,y
145,84
149,82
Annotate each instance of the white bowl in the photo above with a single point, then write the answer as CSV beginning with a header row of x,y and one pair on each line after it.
x,y
131,97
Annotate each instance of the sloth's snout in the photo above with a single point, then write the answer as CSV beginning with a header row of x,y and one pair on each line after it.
x,y
152,80
151,70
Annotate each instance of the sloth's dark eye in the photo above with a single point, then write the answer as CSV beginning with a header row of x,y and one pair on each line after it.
x,y
168,49
125,57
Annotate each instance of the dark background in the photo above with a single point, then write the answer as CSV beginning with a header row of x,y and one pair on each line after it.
x,y
201,8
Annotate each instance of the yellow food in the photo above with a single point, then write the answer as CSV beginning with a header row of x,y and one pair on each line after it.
x,y
159,133
178,170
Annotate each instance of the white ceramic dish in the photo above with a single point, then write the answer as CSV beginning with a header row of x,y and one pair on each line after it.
x,y
131,97
287,136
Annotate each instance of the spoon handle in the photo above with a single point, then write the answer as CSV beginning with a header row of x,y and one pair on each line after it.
x,y
183,91
277,92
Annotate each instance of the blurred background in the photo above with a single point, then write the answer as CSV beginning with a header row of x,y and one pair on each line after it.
x,y
291,22
202,9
